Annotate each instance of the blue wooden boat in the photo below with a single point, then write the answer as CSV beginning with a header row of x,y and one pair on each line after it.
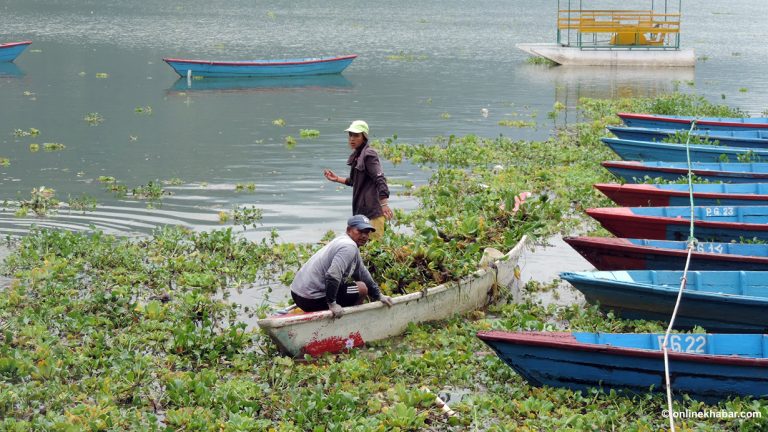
x,y
711,223
684,122
260,68
720,301
610,253
663,195
753,138
9,51
656,151
708,367
733,172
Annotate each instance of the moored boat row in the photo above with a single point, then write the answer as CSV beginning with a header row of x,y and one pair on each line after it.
x,y
639,271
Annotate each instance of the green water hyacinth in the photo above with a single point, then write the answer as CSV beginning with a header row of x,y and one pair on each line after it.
x,y
99,332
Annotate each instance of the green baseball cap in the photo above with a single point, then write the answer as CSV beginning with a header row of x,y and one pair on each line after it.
x,y
358,126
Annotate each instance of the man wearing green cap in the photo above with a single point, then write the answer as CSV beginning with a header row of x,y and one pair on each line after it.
x,y
370,193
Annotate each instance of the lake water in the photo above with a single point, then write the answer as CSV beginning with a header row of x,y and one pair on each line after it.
x,y
425,69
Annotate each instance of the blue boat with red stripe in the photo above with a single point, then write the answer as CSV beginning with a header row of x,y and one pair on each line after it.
x,y
10,50
676,152
711,223
662,195
260,68
610,253
707,367
684,122
754,138
732,172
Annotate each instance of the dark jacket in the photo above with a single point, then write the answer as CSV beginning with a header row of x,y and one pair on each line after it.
x,y
368,182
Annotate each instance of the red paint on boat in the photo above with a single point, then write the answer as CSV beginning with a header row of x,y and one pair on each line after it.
x,y
646,195
262,62
621,222
635,195
333,344
607,253
13,44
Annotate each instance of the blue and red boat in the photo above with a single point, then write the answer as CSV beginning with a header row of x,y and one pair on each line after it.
x,y
708,367
720,301
260,68
731,172
711,223
684,122
9,51
610,253
754,138
669,152
663,195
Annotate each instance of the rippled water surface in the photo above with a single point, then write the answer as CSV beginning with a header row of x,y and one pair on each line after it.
x,y
424,69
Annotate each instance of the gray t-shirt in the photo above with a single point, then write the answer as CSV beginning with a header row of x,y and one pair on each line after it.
x,y
329,267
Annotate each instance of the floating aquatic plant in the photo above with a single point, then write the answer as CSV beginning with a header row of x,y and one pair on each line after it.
x,y
26,133
278,122
247,215
50,147
102,75
249,186
42,202
93,118
403,56
82,203
309,133
5,162
152,191
290,142
173,181
143,110
109,333
517,123
537,60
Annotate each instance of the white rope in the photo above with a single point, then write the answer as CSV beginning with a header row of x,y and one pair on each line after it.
x,y
683,282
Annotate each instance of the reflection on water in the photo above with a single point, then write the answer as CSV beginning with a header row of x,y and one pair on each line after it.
x,y
570,83
9,69
331,82
609,82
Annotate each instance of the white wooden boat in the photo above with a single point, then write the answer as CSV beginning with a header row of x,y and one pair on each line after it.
x,y
316,333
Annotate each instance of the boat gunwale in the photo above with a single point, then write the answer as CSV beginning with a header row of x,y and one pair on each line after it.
x,y
671,290
666,119
565,340
654,190
631,165
13,44
625,245
263,63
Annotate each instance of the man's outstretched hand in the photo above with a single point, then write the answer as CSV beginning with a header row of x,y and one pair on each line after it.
x,y
387,300
336,310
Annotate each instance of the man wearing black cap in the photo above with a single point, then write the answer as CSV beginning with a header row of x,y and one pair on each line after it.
x,y
319,283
